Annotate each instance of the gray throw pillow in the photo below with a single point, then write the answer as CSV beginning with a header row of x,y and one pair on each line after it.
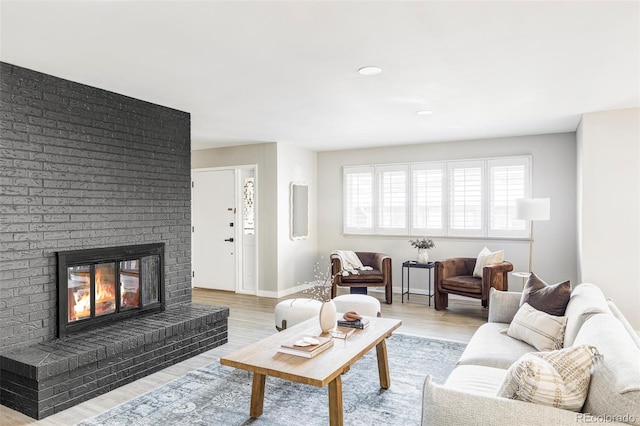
x,y
551,299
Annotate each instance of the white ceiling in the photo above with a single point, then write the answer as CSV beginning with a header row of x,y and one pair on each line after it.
x,y
287,71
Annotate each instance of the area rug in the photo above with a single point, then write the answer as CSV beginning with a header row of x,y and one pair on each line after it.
x,y
220,395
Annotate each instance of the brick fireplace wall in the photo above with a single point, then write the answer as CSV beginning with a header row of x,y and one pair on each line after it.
x,y
82,167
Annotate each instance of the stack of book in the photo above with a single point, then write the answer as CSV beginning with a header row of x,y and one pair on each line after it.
x,y
361,323
309,350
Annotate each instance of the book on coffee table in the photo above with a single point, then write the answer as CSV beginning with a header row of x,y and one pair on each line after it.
x,y
309,351
362,323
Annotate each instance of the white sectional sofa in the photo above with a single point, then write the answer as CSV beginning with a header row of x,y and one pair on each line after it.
x,y
469,396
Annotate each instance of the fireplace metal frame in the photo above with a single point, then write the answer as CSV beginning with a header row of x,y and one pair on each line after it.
x,y
104,255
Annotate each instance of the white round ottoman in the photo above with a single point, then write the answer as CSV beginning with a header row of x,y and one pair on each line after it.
x,y
293,311
362,304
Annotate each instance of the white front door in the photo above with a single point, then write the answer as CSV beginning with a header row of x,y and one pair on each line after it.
x,y
214,229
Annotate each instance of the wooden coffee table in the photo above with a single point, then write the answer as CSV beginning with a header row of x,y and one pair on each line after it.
x,y
263,359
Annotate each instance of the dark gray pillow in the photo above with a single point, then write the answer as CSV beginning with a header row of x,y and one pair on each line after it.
x,y
551,299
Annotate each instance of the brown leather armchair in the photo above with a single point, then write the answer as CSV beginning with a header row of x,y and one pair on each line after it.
x,y
380,276
455,276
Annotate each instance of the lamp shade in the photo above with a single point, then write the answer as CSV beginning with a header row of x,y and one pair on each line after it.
x,y
533,209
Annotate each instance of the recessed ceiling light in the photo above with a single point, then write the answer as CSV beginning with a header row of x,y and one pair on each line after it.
x,y
424,112
370,70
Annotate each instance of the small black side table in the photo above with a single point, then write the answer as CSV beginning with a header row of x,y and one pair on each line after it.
x,y
413,264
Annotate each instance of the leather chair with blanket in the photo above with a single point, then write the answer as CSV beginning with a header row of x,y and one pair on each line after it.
x,y
455,276
379,274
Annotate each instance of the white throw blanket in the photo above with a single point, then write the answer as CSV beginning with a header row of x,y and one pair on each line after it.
x,y
350,262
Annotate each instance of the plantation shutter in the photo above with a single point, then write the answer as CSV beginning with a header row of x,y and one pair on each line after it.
x,y
465,198
508,180
358,200
427,199
392,186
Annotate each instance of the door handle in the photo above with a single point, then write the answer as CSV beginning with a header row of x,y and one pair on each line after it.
x,y
229,240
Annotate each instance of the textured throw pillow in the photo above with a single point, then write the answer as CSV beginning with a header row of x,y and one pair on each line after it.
x,y
556,378
486,258
551,299
542,331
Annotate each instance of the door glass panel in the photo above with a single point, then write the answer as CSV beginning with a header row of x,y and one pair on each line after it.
x,y
129,284
79,292
150,279
105,289
248,204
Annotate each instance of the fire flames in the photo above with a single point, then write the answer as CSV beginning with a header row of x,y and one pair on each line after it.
x,y
105,297
82,307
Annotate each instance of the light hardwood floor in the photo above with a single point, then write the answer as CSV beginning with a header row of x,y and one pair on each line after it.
x,y
251,318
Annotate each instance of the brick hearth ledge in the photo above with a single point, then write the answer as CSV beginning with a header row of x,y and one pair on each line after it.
x,y
45,378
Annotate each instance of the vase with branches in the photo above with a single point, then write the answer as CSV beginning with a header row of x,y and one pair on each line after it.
x,y
423,245
320,289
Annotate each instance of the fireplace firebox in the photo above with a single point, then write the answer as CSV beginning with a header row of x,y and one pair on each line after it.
x,y
96,286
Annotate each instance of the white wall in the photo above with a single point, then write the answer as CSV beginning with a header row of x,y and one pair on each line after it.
x,y
265,156
295,257
554,176
283,263
609,206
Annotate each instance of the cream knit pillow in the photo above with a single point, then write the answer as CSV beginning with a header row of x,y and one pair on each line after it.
x,y
486,258
556,378
539,329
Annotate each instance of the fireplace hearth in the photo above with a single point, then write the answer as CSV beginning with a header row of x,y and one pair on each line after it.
x,y
99,286
48,377
104,340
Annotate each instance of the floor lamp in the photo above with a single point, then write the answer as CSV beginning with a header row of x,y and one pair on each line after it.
x,y
533,209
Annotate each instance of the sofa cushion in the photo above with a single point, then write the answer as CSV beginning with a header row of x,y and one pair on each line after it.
x,y
615,384
556,378
476,378
551,299
486,258
447,406
491,348
616,313
503,305
586,300
539,329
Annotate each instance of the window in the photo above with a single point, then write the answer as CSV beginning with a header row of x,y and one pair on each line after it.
x,y
455,198
358,200
465,198
248,206
426,198
508,181
392,199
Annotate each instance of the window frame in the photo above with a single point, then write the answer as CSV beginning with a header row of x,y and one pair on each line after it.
x,y
486,229
379,227
369,230
431,165
465,232
523,230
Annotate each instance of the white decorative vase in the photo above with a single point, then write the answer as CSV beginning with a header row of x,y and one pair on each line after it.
x,y
423,255
328,316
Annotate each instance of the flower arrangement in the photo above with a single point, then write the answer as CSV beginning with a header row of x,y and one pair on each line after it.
x,y
320,287
423,243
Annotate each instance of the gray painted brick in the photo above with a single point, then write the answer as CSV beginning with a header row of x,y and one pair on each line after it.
x,y
71,154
